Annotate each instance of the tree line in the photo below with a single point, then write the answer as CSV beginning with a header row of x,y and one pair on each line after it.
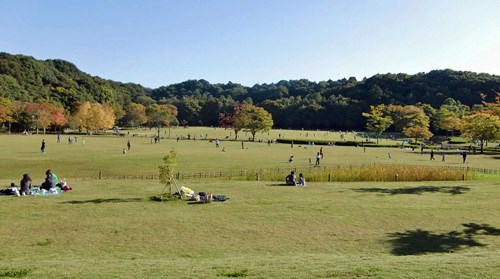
x,y
31,89
480,123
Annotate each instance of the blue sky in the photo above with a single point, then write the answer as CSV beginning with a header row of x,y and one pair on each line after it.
x,y
157,43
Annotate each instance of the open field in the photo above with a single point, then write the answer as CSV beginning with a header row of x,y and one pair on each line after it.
x,y
20,154
110,229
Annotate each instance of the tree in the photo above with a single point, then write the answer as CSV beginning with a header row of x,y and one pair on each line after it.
x,y
417,132
227,120
253,119
493,107
108,119
167,171
59,119
403,115
80,117
136,114
100,117
481,126
455,107
7,111
160,115
378,120
94,116
45,114
447,120
411,121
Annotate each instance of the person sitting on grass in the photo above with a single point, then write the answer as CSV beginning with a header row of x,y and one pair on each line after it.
x,y
25,185
50,181
302,180
290,179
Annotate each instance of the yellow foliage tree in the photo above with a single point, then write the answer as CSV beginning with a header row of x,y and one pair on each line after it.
x,y
481,126
94,116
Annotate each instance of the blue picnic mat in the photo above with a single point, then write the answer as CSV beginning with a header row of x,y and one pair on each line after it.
x,y
37,191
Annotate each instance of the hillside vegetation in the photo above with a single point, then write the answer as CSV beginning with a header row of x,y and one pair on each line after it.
x,y
293,103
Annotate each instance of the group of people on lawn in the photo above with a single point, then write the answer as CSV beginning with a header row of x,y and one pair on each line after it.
x,y
292,180
25,187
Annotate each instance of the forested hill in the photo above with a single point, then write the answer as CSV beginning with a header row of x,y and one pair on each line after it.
x,y
26,79
293,104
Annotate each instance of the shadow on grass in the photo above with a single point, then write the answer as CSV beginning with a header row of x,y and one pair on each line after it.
x,y
195,202
112,200
279,184
456,190
420,242
483,229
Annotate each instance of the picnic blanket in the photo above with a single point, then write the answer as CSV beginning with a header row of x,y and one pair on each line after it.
x,y
37,191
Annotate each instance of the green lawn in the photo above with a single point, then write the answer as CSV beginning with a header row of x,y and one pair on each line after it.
x,y
21,154
110,229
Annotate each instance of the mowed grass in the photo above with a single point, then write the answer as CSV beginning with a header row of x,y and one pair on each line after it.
x,y
111,229
103,154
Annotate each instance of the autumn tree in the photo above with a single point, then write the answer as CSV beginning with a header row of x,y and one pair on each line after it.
x,y
402,115
136,114
45,114
101,117
253,119
493,107
94,116
411,121
79,119
227,120
7,111
59,118
418,127
448,116
161,115
417,132
378,119
481,126
447,120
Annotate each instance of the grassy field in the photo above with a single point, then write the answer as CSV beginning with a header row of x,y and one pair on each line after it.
x,y
111,228
21,154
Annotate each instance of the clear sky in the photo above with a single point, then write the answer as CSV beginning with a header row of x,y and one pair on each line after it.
x,y
160,42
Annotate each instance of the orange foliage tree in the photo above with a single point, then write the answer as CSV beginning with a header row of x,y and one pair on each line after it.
x,y
45,114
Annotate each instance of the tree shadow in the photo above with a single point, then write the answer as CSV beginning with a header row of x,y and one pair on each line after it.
x,y
418,242
483,229
456,190
112,200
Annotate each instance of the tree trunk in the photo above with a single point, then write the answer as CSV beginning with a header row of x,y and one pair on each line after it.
x,y
236,135
159,133
482,146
